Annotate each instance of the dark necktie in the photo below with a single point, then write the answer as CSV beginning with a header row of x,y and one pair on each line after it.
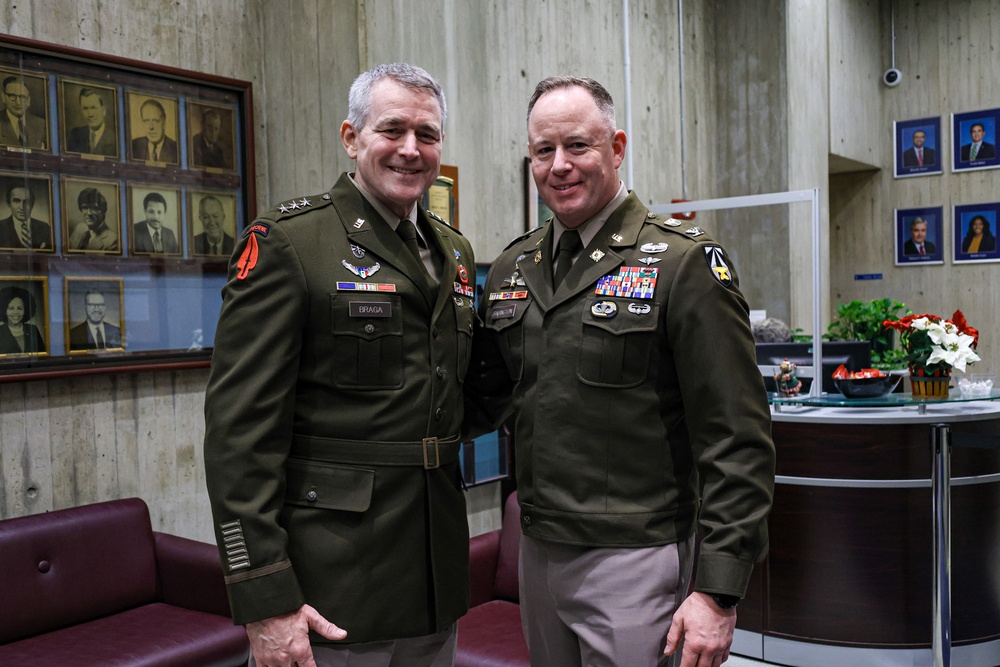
x,y
93,141
569,246
922,249
24,133
215,249
408,232
156,242
99,337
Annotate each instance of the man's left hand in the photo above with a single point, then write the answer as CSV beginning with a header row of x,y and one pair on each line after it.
x,y
706,629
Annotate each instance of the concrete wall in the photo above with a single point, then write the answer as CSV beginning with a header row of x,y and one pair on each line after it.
x,y
777,95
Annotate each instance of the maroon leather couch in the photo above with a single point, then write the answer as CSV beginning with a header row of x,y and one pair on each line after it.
x,y
95,585
490,634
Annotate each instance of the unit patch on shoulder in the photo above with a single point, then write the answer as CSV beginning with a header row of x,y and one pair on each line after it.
x,y
248,259
717,262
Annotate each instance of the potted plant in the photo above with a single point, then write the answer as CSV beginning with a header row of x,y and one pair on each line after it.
x,y
857,320
934,347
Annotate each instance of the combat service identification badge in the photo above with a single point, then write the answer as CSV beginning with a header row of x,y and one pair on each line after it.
x,y
717,262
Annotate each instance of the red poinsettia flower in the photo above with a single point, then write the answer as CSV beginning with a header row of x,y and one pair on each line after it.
x,y
958,319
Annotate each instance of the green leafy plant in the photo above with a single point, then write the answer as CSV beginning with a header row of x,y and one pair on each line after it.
x,y
858,320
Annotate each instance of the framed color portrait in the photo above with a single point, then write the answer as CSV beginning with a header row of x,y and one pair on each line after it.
x,y
974,140
153,124
88,119
919,236
24,317
95,315
917,147
26,213
213,223
211,132
974,233
91,213
24,121
154,215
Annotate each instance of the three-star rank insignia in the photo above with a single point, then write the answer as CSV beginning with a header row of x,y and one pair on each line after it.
x,y
717,262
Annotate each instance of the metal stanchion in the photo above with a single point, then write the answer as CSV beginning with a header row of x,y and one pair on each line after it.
x,y
941,492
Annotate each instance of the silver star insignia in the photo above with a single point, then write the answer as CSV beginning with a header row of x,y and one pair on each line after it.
x,y
293,205
305,202
282,209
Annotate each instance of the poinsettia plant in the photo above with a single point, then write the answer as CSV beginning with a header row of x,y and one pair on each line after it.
x,y
935,345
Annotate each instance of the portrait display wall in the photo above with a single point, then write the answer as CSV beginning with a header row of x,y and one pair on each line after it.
x,y
919,236
123,188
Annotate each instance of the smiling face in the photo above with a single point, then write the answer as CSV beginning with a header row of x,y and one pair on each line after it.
x,y
977,133
17,98
918,231
918,138
15,311
95,308
398,151
575,154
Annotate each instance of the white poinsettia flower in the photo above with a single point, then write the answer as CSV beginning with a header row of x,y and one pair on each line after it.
x,y
920,323
953,349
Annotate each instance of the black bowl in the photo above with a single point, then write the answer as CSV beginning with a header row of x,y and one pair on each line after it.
x,y
868,387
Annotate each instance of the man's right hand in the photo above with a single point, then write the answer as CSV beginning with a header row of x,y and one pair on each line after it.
x,y
283,641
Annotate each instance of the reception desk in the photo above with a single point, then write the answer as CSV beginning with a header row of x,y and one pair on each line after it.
x,y
860,539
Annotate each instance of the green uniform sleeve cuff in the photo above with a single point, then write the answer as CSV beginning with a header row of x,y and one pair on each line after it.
x,y
254,598
722,574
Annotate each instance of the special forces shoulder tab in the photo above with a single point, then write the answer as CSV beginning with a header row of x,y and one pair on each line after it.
x,y
293,207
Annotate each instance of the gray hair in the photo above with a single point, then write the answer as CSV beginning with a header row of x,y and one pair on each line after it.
x,y
359,101
602,98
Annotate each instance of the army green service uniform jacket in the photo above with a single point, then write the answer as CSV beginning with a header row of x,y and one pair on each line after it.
x,y
636,393
332,420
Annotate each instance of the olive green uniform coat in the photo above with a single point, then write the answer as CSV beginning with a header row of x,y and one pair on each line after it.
x,y
630,410
323,488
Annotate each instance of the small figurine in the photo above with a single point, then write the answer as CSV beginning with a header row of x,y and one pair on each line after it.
x,y
788,384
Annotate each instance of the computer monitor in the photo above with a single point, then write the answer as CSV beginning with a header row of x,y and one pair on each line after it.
x,y
854,354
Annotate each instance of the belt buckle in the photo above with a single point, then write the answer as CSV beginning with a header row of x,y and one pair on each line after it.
x,y
437,453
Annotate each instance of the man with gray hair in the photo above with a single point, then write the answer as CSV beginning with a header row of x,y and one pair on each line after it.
x,y
335,402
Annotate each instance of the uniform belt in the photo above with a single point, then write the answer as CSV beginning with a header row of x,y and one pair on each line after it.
x,y
429,452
